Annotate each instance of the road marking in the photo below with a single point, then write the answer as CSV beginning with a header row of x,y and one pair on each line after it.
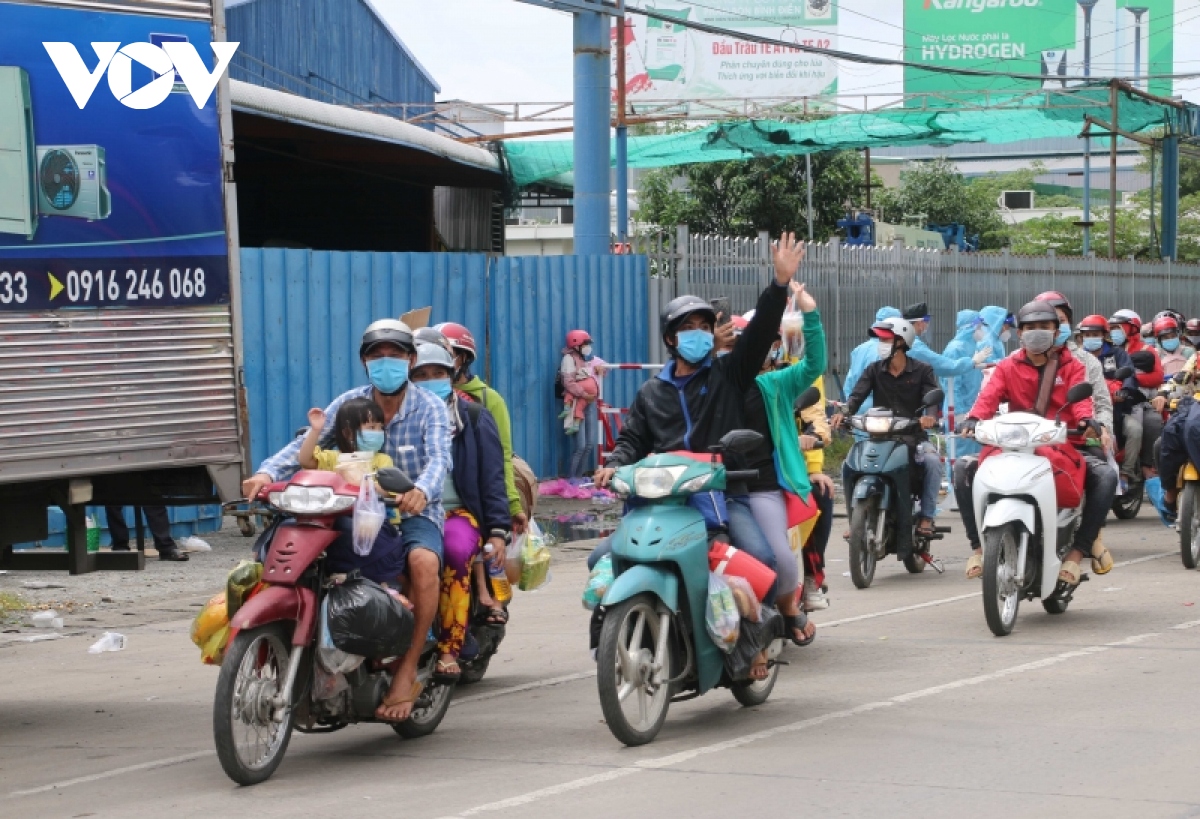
x,y
145,766
900,610
1143,559
718,747
516,689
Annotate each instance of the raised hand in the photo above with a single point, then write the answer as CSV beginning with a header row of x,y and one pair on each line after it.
x,y
316,419
804,299
787,254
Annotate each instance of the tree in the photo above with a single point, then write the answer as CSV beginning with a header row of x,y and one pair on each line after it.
x,y
936,192
742,198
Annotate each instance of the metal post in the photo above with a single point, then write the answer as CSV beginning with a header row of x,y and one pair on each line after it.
x,y
592,155
867,154
682,240
808,178
835,277
622,140
1087,6
1170,196
1112,173
1137,12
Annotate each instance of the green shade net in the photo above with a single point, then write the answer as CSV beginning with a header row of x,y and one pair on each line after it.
x,y
1034,116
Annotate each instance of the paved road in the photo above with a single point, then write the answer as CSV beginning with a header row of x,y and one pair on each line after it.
x,y
905,705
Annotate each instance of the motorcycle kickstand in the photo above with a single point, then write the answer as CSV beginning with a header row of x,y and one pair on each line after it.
x,y
936,563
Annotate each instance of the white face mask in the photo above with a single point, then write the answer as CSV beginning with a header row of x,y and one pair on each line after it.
x,y
980,334
1006,335
885,349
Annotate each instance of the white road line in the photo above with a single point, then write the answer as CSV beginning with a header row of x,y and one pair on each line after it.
x,y
145,766
1143,559
718,747
516,689
900,610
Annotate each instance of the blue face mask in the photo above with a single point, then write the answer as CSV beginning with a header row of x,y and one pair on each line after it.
x,y
1170,344
370,440
388,375
1064,333
1118,337
1093,345
441,387
694,345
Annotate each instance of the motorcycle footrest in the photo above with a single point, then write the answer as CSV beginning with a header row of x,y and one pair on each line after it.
x,y
942,529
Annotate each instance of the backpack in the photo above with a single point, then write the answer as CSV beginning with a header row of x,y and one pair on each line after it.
x,y
560,391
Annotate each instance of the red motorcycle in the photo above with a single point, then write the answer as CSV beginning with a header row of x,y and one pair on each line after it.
x,y
270,681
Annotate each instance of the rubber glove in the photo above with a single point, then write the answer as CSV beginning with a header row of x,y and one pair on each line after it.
x,y
980,358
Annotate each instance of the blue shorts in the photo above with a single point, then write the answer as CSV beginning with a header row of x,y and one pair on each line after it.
x,y
389,555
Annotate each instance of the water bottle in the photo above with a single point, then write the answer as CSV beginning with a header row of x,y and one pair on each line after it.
x,y
93,534
501,588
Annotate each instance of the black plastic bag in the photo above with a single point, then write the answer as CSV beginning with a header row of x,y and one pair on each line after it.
x,y
752,639
365,620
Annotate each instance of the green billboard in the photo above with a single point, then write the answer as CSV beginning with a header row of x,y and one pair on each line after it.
x,y
1053,39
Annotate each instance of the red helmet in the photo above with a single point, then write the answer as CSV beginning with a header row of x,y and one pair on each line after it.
x,y
1193,327
1094,323
739,324
1056,300
577,338
460,338
1165,324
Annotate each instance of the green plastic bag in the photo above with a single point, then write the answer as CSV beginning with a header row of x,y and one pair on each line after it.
x,y
242,580
535,559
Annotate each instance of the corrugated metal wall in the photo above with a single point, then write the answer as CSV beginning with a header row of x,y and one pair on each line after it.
x,y
354,60
303,313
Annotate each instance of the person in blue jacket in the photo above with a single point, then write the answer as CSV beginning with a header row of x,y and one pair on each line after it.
x,y
998,322
943,366
863,356
969,339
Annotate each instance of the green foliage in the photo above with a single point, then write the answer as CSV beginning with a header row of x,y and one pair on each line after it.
x,y
742,198
938,191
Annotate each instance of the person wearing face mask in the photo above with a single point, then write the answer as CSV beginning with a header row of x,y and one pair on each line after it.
x,y
1140,430
1023,381
579,373
998,329
944,366
1125,330
417,438
476,503
1170,345
864,355
968,342
1191,334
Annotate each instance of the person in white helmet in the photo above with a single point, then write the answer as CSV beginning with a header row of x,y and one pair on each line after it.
x,y
417,438
899,383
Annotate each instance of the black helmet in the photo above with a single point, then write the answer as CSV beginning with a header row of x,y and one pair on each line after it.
x,y
428,335
678,309
390,331
1036,311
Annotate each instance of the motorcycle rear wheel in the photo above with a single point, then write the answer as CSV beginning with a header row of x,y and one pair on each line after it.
x,y
863,522
1127,506
915,563
756,692
627,655
1001,586
250,740
473,671
1189,526
430,708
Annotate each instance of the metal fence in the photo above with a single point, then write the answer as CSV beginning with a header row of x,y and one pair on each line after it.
x,y
852,283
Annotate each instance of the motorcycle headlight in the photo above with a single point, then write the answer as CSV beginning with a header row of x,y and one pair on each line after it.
x,y
311,500
696,484
878,425
1014,436
620,487
985,434
656,481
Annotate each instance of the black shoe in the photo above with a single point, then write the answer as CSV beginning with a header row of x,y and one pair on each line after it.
x,y
120,547
172,554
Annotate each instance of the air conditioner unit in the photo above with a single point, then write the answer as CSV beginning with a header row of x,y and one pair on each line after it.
x,y
1016,200
18,191
72,181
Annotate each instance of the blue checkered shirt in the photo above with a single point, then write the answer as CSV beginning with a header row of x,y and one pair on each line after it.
x,y
418,441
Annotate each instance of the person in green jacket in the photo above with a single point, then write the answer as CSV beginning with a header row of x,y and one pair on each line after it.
x,y
462,343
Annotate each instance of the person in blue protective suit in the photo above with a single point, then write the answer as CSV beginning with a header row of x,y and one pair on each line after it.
x,y
967,343
863,356
943,366
998,323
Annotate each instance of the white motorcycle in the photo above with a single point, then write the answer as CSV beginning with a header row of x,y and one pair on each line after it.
x,y
1025,535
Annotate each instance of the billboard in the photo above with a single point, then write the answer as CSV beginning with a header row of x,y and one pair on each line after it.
x,y
668,61
1049,38
111,189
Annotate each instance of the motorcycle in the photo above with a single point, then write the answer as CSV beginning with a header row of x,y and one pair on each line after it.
x,y
265,688
1025,535
881,497
1188,484
654,648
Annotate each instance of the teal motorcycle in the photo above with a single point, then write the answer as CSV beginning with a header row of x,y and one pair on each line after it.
x,y
654,648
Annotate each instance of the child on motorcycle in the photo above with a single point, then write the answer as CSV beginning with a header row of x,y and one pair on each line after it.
x,y
1037,379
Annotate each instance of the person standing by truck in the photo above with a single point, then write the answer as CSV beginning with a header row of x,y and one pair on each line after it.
x,y
160,528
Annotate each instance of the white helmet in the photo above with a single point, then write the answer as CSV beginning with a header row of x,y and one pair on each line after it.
x,y
429,354
386,331
893,328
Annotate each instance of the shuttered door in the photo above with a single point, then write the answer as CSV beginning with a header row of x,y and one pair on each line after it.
x,y
114,390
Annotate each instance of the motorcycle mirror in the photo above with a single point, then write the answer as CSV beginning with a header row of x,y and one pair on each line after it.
x,y
934,398
808,398
1123,373
740,441
1079,392
394,480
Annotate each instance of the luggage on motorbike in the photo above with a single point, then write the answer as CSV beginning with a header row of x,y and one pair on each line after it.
x,y
329,656
527,485
210,630
1070,471
599,580
743,595
369,513
365,620
721,618
240,584
753,638
535,559
725,559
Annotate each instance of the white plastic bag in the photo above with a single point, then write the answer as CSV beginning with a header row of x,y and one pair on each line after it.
x,y
191,543
369,513
1112,462
111,641
721,617
791,330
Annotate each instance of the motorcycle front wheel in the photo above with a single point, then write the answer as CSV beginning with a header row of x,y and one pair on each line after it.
x,y
250,730
1001,585
864,522
1189,527
632,665
1127,506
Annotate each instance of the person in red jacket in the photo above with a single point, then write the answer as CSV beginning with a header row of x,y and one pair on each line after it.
x,y
1125,328
1141,427
1017,380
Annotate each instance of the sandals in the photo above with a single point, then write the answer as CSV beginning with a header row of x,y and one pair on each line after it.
x,y
974,567
1102,561
1070,573
447,672
417,688
495,616
794,623
925,527
760,662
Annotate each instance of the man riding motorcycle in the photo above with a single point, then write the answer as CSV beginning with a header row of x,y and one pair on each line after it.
x,y
1171,351
900,383
1023,380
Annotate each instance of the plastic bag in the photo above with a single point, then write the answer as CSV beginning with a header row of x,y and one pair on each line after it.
x,y
369,513
752,639
743,596
791,330
241,582
365,620
111,641
1112,462
535,559
330,657
598,582
211,618
721,617
1154,492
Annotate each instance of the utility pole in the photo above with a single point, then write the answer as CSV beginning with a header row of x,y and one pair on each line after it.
x,y
1087,6
1112,172
622,140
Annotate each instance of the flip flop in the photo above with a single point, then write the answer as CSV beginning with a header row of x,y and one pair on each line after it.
x,y
925,528
794,623
417,688
497,616
1102,560
1070,573
442,673
974,567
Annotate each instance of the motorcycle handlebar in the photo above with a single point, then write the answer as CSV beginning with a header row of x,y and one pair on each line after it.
x,y
742,475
